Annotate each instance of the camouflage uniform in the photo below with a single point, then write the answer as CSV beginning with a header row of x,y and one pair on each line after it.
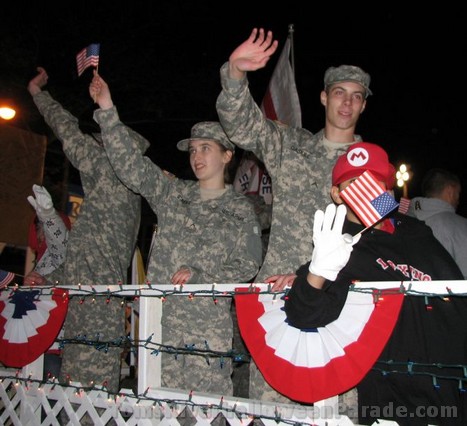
x,y
218,239
300,167
99,251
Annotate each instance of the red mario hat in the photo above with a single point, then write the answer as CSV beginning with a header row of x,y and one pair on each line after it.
x,y
360,157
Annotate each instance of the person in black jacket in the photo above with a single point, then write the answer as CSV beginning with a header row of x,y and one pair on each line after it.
x,y
417,387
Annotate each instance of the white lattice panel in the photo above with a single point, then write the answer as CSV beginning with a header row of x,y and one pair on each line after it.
x,y
23,403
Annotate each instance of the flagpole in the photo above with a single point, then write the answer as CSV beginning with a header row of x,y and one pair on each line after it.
x,y
292,56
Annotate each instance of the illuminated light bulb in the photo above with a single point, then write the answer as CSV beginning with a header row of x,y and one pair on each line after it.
x,y
7,113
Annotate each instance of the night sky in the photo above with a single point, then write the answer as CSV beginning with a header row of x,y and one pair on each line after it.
x,y
162,59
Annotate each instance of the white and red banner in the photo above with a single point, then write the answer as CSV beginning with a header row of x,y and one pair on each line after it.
x,y
252,178
315,364
29,324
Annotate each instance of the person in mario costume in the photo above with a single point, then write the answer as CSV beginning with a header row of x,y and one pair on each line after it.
x,y
396,248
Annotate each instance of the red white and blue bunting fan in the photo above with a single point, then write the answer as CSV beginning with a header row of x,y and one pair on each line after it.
x,y
29,324
315,364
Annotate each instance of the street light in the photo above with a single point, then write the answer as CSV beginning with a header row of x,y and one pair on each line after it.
x,y
403,176
7,113
7,110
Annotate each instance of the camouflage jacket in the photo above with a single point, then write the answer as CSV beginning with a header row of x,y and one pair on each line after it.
x,y
300,167
218,239
102,239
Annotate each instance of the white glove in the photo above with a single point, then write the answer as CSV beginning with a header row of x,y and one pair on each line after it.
x,y
43,203
331,248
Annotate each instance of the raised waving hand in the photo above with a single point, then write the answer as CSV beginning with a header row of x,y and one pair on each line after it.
x,y
253,53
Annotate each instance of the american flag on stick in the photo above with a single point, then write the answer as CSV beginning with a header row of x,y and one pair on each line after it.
x,y
89,56
367,198
404,204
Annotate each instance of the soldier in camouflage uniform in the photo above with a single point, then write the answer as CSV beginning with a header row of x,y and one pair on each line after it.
x,y
100,245
299,162
206,233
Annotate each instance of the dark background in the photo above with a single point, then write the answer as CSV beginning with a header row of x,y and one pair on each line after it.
x,y
162,59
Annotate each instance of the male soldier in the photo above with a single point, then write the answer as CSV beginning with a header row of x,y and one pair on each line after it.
x,y
298,162
100,246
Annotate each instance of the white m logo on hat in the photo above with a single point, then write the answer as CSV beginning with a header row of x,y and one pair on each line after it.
x,y
358,157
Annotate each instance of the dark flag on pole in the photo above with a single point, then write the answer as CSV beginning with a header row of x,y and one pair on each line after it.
x,y
281,101
89,56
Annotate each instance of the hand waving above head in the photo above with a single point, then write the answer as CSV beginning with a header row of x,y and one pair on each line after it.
x,y
253,53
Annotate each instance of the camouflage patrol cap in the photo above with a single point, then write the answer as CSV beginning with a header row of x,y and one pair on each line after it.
x,y
207,130
347,73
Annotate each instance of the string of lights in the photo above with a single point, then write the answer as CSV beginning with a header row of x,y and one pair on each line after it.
x,y
410,368
222,290
155,348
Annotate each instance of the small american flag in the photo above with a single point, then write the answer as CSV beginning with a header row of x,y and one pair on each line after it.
x,y
87,57
5,278
368,199
404,204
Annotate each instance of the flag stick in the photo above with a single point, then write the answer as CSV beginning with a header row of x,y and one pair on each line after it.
x,y
368,227
292,56
362,231
94,96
